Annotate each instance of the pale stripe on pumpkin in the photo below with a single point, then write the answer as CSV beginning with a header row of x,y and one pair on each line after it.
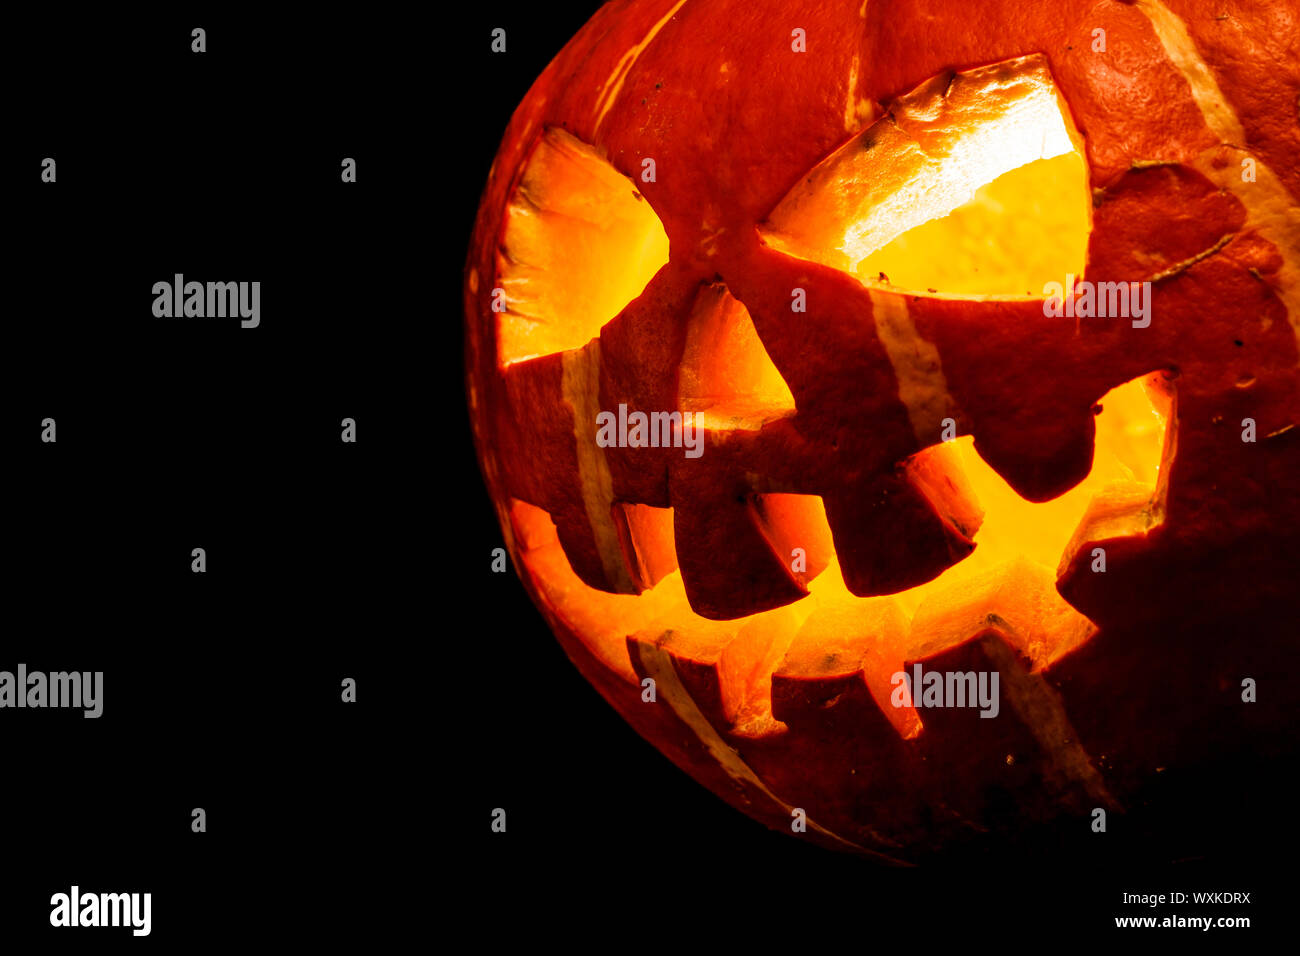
x,y
580,385
614,85
922,388
1270,209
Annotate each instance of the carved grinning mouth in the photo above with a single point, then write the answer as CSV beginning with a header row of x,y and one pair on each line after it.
x,y
1006,584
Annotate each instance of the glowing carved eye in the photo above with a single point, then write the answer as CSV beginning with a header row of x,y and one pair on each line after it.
x,y
972,184
579,244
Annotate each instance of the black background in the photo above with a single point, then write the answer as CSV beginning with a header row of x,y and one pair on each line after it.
x,y
330,822
221,690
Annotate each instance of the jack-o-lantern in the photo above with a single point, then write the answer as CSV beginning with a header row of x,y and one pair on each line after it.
x,y
826,359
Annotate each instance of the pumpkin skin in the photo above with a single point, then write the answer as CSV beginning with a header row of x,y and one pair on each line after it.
x,y
747,703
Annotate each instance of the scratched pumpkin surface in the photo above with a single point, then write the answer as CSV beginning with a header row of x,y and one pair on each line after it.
x,y
828,536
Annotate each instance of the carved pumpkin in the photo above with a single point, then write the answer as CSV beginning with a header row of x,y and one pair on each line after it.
x,y
828,231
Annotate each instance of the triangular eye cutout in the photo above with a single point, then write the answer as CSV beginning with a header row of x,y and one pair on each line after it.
x,y
580,243
727,378
972,184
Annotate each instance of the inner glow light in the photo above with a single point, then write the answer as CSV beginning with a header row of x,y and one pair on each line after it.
x,y
1130,437
1026,228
